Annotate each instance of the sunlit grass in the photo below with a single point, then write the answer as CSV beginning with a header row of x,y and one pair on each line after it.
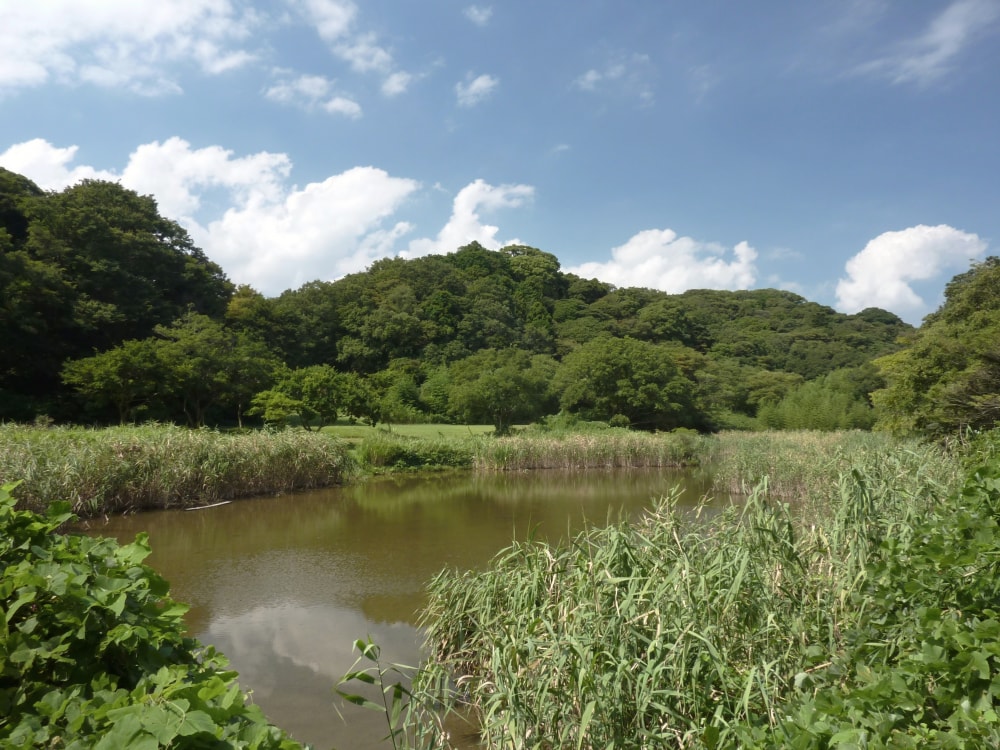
x,y
680,630
358,432
161,466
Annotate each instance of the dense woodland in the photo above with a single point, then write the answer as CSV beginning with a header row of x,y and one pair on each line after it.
x,y
109,313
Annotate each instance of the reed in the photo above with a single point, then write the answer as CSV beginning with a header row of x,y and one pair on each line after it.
x,y
607,449
803,466
161,466
389,451
680,631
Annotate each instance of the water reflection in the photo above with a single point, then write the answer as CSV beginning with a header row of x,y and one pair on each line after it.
x,y
283,586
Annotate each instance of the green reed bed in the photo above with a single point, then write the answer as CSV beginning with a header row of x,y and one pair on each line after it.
x,y
804,465
160,466
386,451
606,449
682,631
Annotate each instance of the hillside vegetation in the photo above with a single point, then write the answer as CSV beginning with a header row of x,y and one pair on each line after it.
x,y
110,314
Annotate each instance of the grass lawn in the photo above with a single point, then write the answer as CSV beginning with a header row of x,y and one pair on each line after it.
x,y
357,432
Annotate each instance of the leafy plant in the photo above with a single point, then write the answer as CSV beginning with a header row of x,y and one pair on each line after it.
x,y
93,652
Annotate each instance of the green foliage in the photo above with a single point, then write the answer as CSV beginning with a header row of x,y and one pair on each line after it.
x,y
642,381
829,403
948,377
410,723
85,269
123,378
502,387
162,466
589,446
870,623
798,466
183,371
93,654
88,272
920,668
312,395
396,452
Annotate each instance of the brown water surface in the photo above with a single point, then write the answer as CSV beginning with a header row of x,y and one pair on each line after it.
x,y
283,586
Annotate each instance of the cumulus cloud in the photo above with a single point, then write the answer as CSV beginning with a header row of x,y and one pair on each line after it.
x,y
473,90
466,224
882,274
48,166
479,14
120,43
322,231
660,259
262,231
928,57
311,92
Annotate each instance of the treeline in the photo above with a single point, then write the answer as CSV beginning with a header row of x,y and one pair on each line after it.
x,y
110,314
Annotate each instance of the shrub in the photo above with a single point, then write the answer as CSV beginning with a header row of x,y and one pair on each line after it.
x,y
93,652
385,451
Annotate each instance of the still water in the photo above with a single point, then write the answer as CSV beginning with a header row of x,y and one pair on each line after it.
x,y
283,586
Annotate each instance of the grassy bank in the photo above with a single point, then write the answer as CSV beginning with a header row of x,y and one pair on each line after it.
x,y
604,449
873,624
529,449
804,466
159,466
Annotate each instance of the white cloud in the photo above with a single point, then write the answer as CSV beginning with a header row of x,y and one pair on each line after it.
x,y
340,105
929,56
311,92
120,43
179,177
628,75
882,273
474,90
322,231
267,233
659,259
466,225
334,21
479,14
332,18
364,55
48,166
396,83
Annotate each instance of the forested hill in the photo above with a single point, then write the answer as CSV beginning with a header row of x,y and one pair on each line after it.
x,y
85,270
441,308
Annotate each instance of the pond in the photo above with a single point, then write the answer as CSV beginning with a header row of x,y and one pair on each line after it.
x,y
283,586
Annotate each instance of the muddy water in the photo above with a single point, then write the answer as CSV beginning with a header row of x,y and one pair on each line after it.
x,y
283,586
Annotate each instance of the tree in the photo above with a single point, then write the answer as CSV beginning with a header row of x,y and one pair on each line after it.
x,y
609,376
205,364
501,387
123,378
828,403
83,270
312,394
948,377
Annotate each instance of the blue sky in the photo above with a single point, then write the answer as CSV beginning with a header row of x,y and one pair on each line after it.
x,y
846,150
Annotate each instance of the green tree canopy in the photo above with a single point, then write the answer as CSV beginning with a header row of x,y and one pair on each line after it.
x,y
643,381
948,376
500,386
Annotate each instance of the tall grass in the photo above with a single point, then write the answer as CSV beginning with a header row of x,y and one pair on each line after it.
x,y
388,451
800,465
160,466
675,632
607,449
